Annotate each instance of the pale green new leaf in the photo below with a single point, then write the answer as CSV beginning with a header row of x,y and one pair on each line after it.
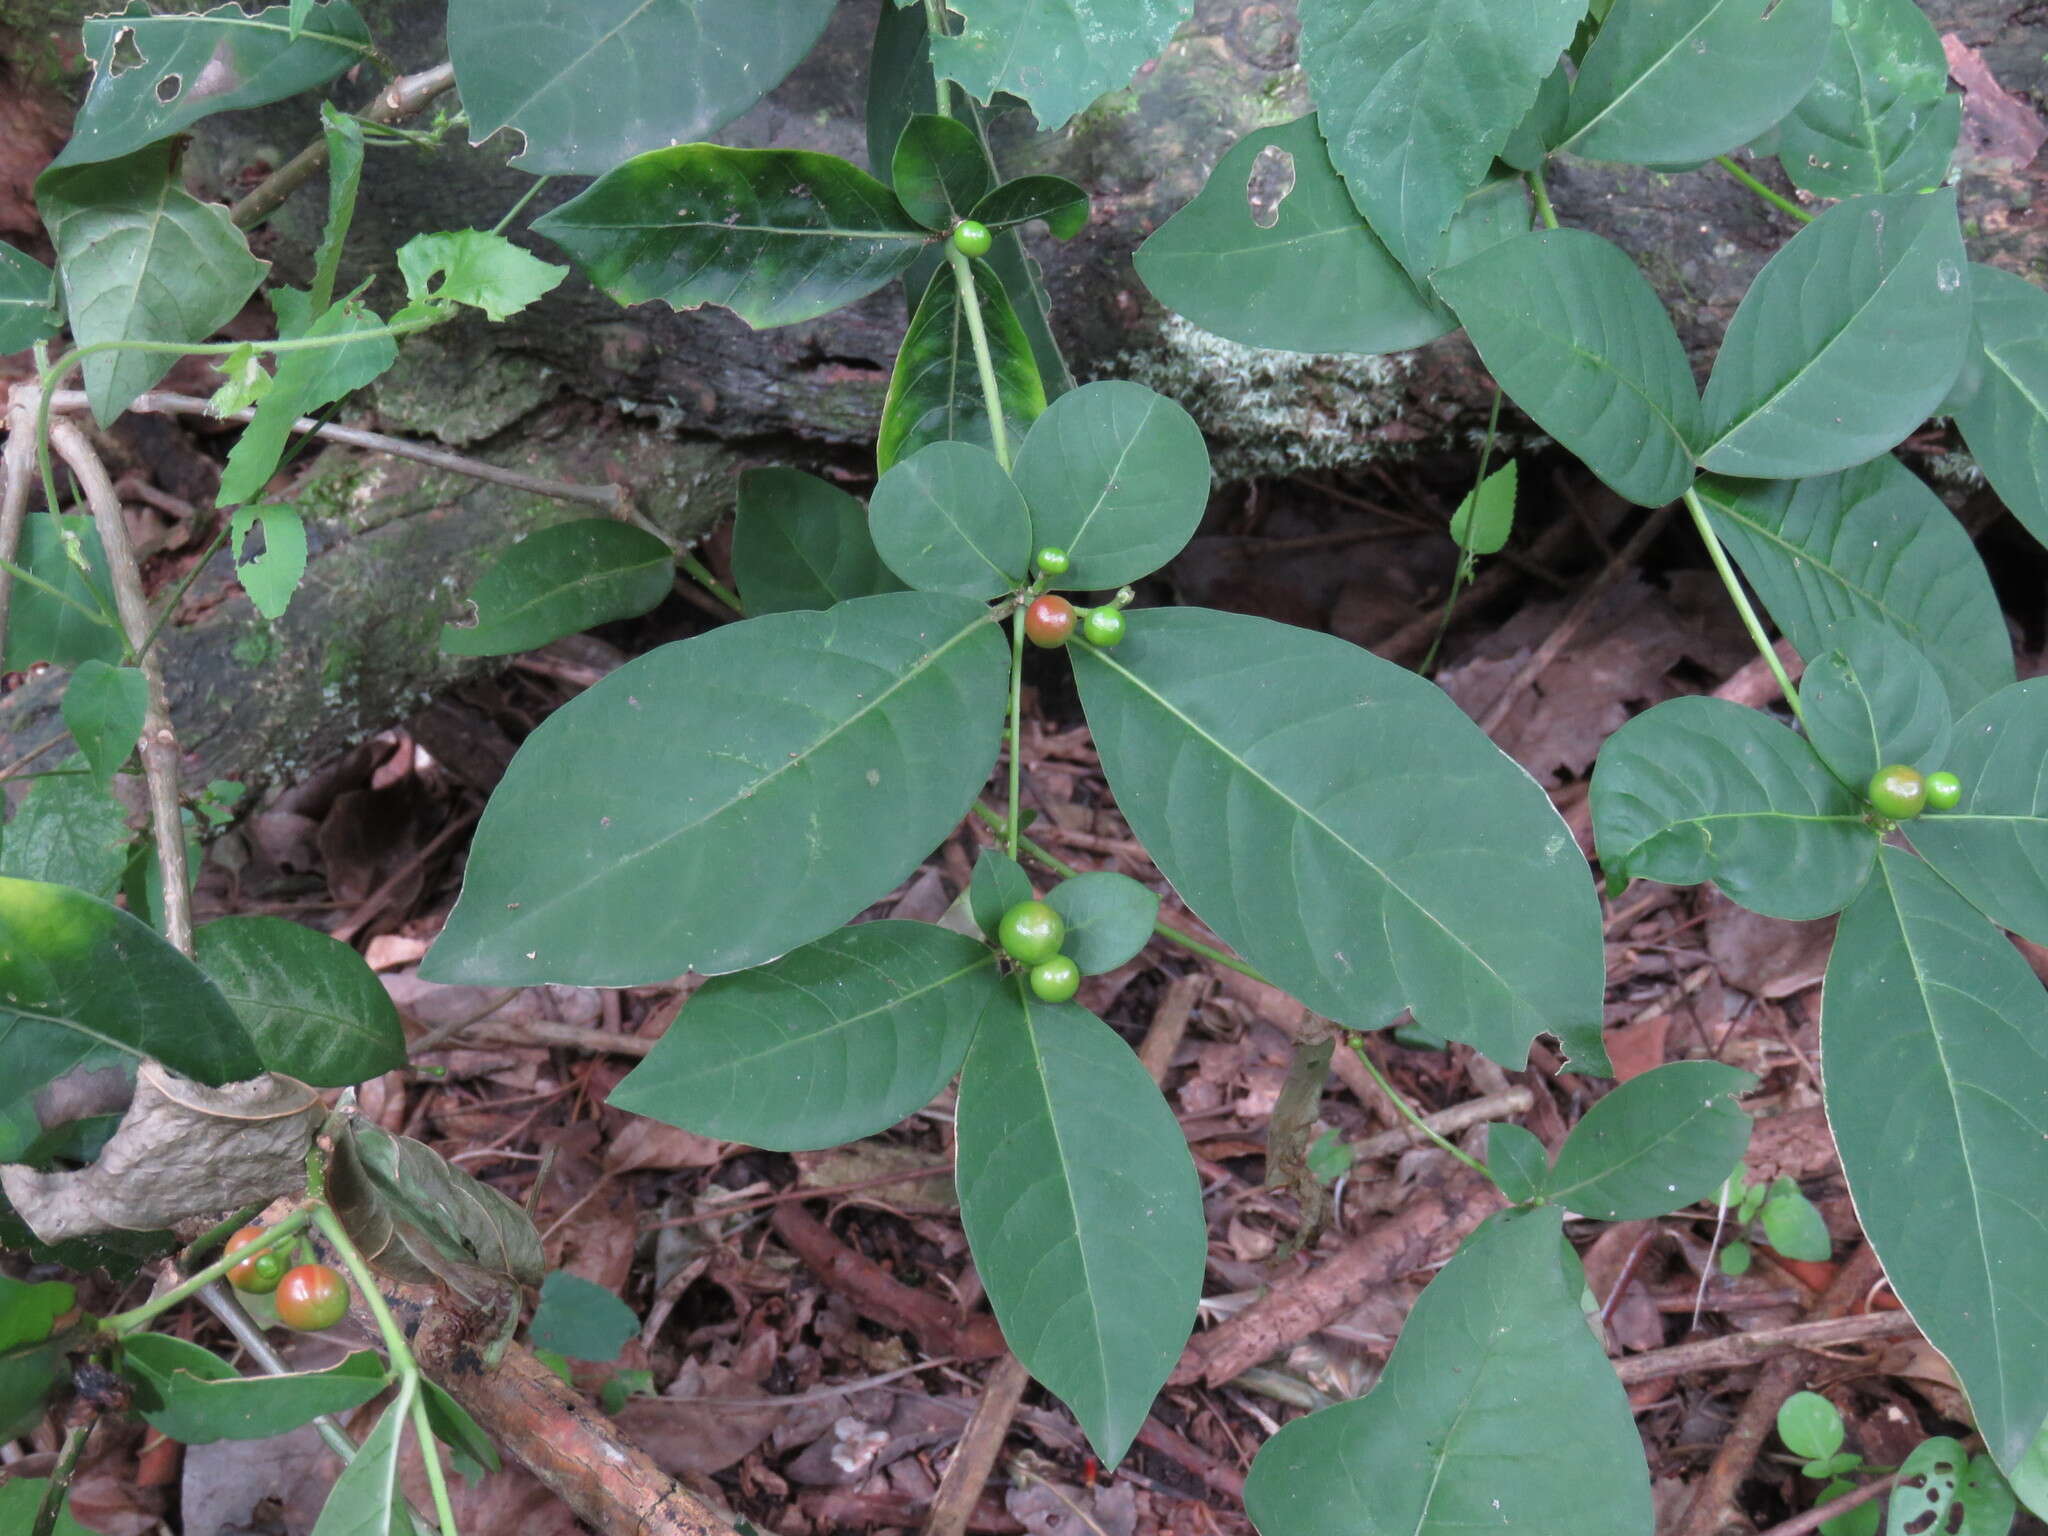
x,y
1871,542
27,289
1878,118
103,710
1700,789
1849,336
1082,1209
738,794
1578,338
586,85
343,135
314,1007
2001,400
935,393
1496,1411
1872,699
801,542
1057,55
562,580
1656,1144
948,519
483,270
1348,830
1993,847
272,577
1486,516
1934,1058
834,1041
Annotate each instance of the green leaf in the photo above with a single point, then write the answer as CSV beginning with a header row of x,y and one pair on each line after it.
x,y
1062,205
469,1447
39,627
141,260
940,170
935,392
1579,340
367,1499
191,1395
272,577
1684,81
1872,542
1486,516
1317,279
1417,97
1542,129
900,84
1879,117
1349,830
1849,336
313,1006
998,884
834,1041
1793,1226
581,1319
1118,477
343,136
947,519
1082,1209
1109,919
84,986
103,709
1987,1500
1934,1043
477,268
1057,55
2001,400
28,1312
21,1497
27,311
740,793
1929,1480
1517,1162
1871,700
1736,1258
155,76
68,832
1700,789
562,580
588,85
1656,1144
1810,1426
1993,847
774,235
1462,1431
1024,283
801,542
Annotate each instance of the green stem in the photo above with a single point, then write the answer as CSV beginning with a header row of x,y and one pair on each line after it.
x,y
137,1318
1740,598
526,197
430,1453
1015,825
1542,194
30,578
1408,1110
1467,565
75,1436
177,596
984,362
1775,198
700,573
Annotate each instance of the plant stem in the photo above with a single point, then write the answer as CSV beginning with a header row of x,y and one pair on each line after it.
x,y
984,362
14,482
524,198
1467,566
1014,827
400,99
430,1453
137,1318
1358,1049
177,596
75,1436
700,573
1733,583
1776,199
1542,195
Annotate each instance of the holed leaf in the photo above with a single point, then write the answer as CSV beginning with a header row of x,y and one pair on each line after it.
x,y
561,581
801,542
1058,56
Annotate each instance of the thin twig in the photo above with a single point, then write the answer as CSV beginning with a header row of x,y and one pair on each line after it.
x,y
1821,1514
159,744
1445,1122
980,1444
1748,1348
398,100
17,473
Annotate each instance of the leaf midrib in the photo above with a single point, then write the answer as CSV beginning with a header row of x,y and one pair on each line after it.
x,y
1732,511
1643,78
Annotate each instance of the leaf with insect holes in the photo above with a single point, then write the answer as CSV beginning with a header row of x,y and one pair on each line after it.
x,y
272,577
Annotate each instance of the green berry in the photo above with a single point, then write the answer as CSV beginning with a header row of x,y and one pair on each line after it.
x,y
1898,792
1055,980
1053,560
1944,791
1030,932
1105,626
972,238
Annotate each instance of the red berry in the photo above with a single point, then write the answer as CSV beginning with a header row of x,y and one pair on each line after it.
x,y
1049,621
258,1275
311,1297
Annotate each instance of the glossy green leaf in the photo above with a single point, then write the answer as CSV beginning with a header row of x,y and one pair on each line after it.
x,y
587,85
368,1499
1670,82
801,542
1057,55
834,1041
1872,700
1062,205
343,136
1486,516
28,312
1578,338
774,235
1871,542
1878,118
103,710
581,1319
68,832
2001,400
39,627
1934,1042
1317,279
84,986
1792,1225
562,580
1849,336
1463,1430
1656,1144
191,1395
947,519
939,170
1118,477
154,76
1700,789
315,1009
1993,847
1082,1208
1024,285
1517,1162
1109,919
474,267
935,392
900,84
272,577
1348,830
739,793
141,260
997,884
